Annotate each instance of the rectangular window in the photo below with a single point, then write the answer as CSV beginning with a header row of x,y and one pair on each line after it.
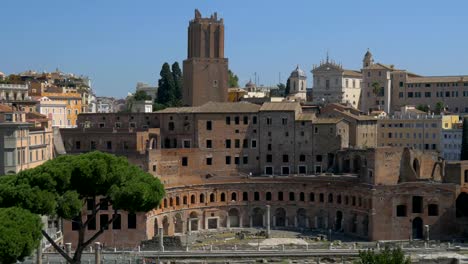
x,y
228,160
427,94
209,143
186,143
171,126
245,143
284,121
254,120
228,120
285,158
93,145
77,145
132,223
245,160
269,121
417,204
302,169
90,204
92,223
228,143
75,223
209,161
246,120
109,145
237,143
236,160
269,158
254,143
116,225
269,147
209,125
103,219
184,161
236,120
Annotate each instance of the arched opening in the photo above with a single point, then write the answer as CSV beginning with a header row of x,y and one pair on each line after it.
x,y
330,198
202,198
233,215
193,222
233,197
354,223
268,196
462,205
165,224
301,197
257,217
171,202
416,166
280,217
223,197
155,227
184,200
154,143
192,199
165,203
212,198
338,220
177,201
301,218
178,227
417,228
357,164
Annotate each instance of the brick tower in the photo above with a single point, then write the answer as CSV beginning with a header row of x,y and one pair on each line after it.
x,y
205,69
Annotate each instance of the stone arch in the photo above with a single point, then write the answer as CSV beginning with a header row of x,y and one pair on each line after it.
x,y
280,217
202,198
178,223
171,202
153,143
416,166
338,221
177,201
165,203
212,198
233,197
192,199
301,218
184,200
462,205
165,224
257,217
234,217
302,197
193,222
417,228
223,197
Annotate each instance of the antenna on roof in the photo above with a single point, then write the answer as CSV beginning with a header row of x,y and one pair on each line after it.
x,y
327,56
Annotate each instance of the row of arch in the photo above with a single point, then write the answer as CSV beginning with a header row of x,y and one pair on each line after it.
x,y
280,217
352,200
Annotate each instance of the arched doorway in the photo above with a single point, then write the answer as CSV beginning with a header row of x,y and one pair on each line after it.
x,y
417,228
280,217
233,215
257,217
462,205
338,220
178,225
165,224
357,164
193,224
416,166
301,218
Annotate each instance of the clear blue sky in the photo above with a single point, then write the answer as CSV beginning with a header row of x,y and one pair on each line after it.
x,y
120,42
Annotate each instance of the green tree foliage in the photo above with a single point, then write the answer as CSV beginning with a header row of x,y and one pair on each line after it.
x,y
169,87
439,107
386,256
141,96
376,89
179,83
20,234
287,90
233,81
423,108
63,185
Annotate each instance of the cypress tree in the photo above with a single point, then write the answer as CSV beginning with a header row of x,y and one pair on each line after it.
x,y
178,84
166,86
464,148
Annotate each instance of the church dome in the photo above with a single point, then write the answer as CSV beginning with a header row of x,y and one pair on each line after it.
x,y
298,73
250,84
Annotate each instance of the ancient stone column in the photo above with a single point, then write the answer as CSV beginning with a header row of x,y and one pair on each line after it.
x,y
161,239
97,253
39,254
68,249
268,220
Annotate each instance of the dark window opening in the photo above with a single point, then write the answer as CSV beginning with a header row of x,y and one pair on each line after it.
x,y
433,210
417,204
245,196
292,196
132,221
401,210
256,196
280,196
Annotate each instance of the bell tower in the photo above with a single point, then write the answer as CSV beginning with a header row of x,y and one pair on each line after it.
x,y
368,60
205,69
